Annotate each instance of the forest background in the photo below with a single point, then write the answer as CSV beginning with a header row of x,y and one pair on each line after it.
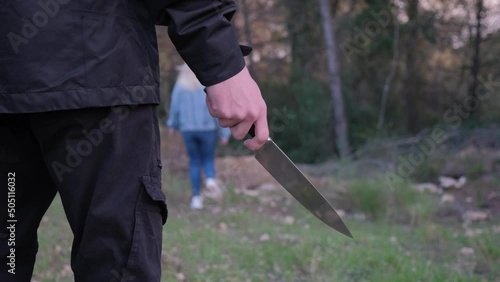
x,y
389,107
341,75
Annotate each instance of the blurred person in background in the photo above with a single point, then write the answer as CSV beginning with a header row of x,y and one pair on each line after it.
x,y
188,113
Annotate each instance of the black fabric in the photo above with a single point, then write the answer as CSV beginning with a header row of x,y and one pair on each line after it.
x,y
210,26
63,54
105,164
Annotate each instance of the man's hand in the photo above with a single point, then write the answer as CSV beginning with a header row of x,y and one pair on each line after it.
x,y
237,103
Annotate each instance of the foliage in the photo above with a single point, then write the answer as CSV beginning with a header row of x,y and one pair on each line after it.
x,y
378,201
368,197
430,169
301,121
474,167
289,57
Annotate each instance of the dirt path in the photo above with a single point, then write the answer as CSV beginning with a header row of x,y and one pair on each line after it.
x,y
244,171
247,175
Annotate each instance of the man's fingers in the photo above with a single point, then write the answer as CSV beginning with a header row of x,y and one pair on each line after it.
x,y
237,103
241,129
261,135
261,131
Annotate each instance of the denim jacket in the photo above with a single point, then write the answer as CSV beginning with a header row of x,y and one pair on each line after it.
x,y
189,112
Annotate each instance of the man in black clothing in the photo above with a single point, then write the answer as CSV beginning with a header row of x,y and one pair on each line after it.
x,y
78,96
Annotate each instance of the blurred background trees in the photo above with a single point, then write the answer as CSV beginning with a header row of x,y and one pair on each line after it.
x,y
399,67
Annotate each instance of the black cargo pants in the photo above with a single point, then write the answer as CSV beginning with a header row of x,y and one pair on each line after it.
x,y
105,164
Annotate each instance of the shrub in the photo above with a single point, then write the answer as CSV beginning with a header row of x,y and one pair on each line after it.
x,y
474,167
300,119
368,197
430,170
400,204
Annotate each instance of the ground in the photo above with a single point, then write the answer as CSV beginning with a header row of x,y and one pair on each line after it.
x,y
258,232
247,175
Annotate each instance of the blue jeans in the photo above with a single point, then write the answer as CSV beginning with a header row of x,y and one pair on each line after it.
x,y
200,146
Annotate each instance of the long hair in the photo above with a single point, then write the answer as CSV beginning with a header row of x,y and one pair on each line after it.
x,y
186,78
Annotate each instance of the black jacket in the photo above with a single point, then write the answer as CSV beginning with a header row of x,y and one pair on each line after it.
x,y
68,54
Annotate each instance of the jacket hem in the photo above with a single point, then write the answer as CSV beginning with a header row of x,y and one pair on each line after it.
x,y
35,102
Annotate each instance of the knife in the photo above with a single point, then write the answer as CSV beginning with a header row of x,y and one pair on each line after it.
x,y
277,163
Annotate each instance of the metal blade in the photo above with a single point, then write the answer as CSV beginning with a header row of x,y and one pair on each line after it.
x,y
291,178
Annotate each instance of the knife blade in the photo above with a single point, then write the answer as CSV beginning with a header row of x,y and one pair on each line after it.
x,y
281,168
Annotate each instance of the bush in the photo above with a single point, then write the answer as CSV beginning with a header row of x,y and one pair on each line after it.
x,y
401,204
430,170
474,167
300,119
368,197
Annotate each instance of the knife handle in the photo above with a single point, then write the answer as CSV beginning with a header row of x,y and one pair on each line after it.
x,y
251,132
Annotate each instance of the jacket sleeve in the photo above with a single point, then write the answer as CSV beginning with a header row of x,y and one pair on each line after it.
x,y
204,37
173,114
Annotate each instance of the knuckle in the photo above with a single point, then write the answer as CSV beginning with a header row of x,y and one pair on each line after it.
x,y
211,111
240,115
264,107
253,115
224,115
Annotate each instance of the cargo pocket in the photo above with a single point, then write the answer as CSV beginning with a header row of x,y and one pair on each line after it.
x,y
155,196
144,262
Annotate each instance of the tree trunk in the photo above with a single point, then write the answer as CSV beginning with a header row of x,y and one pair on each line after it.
x,y
334,80
248,34
303,35
476,61
412,75
392,72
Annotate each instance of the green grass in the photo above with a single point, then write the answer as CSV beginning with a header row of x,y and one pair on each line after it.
x,y
377,200
242,239
55,238
368,197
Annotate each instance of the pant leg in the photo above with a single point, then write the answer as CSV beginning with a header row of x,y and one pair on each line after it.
x,y
208,146
106,164
193,142
26,192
